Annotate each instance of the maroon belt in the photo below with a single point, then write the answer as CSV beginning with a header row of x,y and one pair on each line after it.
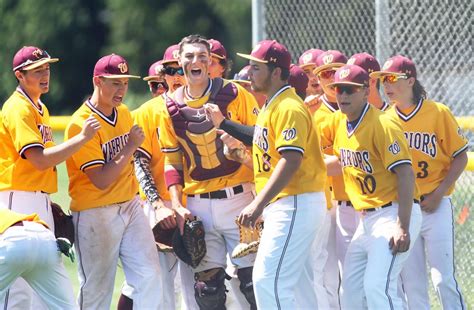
x,y
17,224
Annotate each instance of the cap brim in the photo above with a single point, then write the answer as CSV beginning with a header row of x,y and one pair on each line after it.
x,y
250,57
379,74
120,76
39,63
333,65
218,56
151,77
169,61
241,81
346,83
307,65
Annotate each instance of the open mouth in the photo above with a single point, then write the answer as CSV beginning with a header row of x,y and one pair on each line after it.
x,y
315,85
118,99
177,85
44,84
196,72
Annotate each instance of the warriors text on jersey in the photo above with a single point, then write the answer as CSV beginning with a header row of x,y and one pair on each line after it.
x,y
285,124
24,125
102,148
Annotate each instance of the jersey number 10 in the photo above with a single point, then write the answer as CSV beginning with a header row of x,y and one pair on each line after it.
x,y
367,185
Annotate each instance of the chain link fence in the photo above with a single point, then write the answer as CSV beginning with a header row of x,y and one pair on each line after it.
x,y
436,34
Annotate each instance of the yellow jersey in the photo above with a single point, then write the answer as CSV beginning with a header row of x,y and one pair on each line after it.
x,y
194,143
368,153
9,217
147,117
102,148
434,138
23,125
284,124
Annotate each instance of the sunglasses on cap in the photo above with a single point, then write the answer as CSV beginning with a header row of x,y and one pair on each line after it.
x,y
155,86
173,71
392,78
348,89
327,74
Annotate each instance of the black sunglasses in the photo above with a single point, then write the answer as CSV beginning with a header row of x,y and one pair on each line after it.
x,y
157,85
348,89
173,71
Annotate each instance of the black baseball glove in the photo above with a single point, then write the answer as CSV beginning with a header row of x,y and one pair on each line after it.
x,y
63,224
163,238
190,247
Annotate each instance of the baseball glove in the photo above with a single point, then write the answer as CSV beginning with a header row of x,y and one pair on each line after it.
x,y
163,238
249,240
63,224
191,246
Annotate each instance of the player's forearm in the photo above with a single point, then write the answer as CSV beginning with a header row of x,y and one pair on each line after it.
x,y
145,177
176,194
454,172
281,176
44,159
406,186
241,132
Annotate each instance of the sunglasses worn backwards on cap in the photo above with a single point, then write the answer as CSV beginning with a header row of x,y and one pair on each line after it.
x,y
157,85
327,74
348,89
173,71
392,78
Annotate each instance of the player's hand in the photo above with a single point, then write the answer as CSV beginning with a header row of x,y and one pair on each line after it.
x,y
431,201
136,136
249,216
214,114
164,216
400,241
231,142
312,100
182,214
90,127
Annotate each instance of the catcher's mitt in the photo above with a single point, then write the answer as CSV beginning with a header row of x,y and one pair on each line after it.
x,y
249,240
163,238
63,224
191,246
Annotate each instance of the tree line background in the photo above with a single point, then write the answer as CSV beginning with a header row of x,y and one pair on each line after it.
x,y
79,32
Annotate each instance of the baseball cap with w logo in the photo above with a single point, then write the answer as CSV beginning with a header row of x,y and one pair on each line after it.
x,y
270,52
30,57
113,66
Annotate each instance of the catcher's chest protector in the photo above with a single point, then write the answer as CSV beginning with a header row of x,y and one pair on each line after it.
x,y
197,135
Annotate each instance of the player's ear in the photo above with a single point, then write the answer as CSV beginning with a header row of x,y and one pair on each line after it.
x,y
20,76
96,81
411,81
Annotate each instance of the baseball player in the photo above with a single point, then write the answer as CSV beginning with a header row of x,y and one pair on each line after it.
x,y
298,80
149,169
379,181
243,79
220,65
27,239
307,62
108,218
28,155
155,79
217,188
289,176
439,154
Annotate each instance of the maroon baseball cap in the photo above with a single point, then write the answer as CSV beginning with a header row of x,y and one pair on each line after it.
x,y
171,54
397,65
113,66
351,75
331,59
299,80
365,61
155,71
242,76
309,57
217,49
270,52
30,57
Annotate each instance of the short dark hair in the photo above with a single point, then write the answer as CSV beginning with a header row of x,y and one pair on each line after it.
x,y
419,92
227,65
194,38
285,72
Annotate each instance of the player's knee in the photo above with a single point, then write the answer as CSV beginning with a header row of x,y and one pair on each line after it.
x,y
209,289
246,285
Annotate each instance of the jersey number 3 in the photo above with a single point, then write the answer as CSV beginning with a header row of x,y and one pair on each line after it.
x,y
367,185
423,165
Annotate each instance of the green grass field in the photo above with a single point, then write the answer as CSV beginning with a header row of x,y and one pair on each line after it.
x,y
63,199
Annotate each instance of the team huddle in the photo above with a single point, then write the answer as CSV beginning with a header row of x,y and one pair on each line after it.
x,y
350,194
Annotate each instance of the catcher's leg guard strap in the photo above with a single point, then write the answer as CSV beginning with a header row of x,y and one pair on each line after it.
x,y
209,289
246,286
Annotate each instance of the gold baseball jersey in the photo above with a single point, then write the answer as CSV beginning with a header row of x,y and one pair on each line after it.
x,y
147,117
198,152
320,120
102,148
9,217
368,153
284,124
434,138
24,125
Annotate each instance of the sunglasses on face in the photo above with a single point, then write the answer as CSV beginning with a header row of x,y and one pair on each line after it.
x,y
173,71
348,89
155,86
328,74
392,78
